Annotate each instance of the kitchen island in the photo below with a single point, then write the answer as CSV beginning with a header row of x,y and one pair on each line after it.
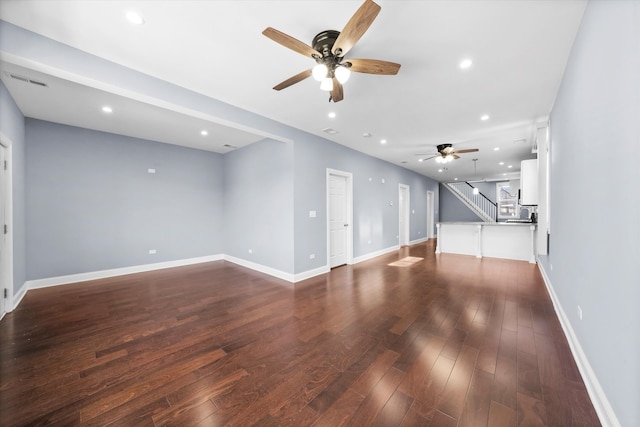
x,y
498,239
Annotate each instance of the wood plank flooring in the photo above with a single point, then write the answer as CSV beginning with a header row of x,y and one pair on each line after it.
x,y
449,340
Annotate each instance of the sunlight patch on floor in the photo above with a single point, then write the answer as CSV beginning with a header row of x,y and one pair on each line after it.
x,y
406,261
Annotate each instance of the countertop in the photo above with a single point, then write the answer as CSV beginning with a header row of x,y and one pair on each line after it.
x,y
493,224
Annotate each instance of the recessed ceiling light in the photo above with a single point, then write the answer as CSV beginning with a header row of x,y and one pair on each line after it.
x,y
496,149
439,170
107,109
501,163
504,174
484,118
135,18
366,135
332,115
455,179
510,166
383,141
204,133
421,159
465,63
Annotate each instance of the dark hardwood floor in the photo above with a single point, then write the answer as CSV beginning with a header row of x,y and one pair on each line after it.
x,y
446,341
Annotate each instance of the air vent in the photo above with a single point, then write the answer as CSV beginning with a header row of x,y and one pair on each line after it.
x,y
329,131
26,79
35,82
17,77
230,146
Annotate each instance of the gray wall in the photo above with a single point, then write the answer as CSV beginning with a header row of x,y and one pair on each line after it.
x,y
452,209
92,205
12,127
375,220
258,197
595,241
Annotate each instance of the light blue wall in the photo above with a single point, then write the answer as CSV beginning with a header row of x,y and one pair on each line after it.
x,y
258,197
12,127
453,210
92,205
374,219
594,209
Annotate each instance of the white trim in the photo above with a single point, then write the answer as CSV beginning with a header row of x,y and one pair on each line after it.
x,y
17,299
431,214
599,399
349,177
83,277
404,210
372,255
260,268
8,279
415,242
298,277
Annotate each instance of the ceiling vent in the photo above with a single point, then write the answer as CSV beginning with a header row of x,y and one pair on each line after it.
x,y
26,79
329,131
233,147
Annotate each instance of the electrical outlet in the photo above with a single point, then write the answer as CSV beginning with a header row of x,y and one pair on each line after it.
x,y
580,312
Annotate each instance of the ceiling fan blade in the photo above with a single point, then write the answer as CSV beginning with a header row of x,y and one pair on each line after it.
x,y
290,42
429,158
468,150
337,93
373,66
293,80
355,28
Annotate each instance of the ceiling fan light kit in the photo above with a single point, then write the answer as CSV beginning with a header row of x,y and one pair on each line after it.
x,y
446,153
328,49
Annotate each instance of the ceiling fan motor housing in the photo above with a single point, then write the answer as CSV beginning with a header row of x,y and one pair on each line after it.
x,y
442,147
323,42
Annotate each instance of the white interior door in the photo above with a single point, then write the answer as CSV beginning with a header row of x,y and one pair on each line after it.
x,y
403,213
431,214
3,236
339,221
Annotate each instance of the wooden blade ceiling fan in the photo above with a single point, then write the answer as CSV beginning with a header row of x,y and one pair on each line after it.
x,y
328,49
446,153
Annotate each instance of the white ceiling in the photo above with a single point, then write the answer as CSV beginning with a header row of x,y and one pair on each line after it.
x,y
519,50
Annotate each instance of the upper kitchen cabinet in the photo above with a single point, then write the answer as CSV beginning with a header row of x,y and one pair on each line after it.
x,y
529,182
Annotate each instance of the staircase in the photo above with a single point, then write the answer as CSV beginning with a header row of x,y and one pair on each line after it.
x,y
478,203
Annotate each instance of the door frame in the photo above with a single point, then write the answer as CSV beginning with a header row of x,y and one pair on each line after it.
x,y
431,214
349,195
6,270
404,235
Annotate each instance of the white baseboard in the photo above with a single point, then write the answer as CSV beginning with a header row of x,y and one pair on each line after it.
x,y
17,298
261,268
298,277
93,275
415,242
599,399
372,255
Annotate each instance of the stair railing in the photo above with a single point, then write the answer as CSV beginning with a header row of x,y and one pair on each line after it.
x,y
479,200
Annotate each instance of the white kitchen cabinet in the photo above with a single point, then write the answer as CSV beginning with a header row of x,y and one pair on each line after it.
x,y
529,182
